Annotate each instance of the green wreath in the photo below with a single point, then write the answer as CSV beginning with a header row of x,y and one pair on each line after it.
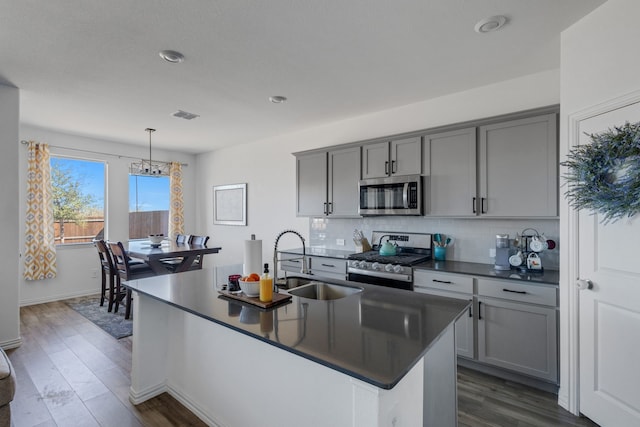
x,y
605,176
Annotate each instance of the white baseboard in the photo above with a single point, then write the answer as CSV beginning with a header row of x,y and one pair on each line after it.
x,y
58,297
201,413
137,397
6,345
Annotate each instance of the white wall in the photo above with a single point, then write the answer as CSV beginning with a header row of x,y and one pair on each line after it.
x,y
598,64
269,168
9,290
77,263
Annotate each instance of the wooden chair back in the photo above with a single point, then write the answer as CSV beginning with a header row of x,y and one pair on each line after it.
x,y
199,240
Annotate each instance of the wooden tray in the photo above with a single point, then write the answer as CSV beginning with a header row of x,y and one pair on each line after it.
x,y
277,299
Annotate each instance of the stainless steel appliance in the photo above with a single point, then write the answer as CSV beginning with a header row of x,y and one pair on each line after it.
x,y
395,195
394,271
502,252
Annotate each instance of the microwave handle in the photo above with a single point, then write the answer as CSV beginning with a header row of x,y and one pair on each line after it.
x,y
405,195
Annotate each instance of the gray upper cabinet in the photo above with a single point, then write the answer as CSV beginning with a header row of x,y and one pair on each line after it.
x,y
449,164
343,176
518,168
311,171
327,183
507,169
398,157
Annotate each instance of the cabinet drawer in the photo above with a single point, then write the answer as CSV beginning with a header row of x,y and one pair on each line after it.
x,y
321,265
291,262
444,281
515,291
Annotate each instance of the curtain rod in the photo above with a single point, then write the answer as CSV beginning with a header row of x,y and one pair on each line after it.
x,y
120,156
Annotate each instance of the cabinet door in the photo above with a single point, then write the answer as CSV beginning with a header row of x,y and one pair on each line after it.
x,y
450,168
518,164
311,188
375,160
520,337
343,175
464,325
406,157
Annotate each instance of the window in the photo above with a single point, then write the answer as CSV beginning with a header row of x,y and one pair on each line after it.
x,y
148,206
78,199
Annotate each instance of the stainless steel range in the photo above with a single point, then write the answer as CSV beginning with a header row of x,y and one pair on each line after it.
x,y
394,271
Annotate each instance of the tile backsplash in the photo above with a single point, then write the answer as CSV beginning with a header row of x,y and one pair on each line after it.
x,y
472,237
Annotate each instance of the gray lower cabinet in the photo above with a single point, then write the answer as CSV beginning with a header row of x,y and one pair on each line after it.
x,y
452,286
513,325
388,158
331,268
327,183
517,327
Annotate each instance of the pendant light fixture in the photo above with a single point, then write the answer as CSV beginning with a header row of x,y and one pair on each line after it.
x,y
149,167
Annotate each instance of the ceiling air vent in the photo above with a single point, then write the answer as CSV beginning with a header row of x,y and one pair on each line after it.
x,y
185,115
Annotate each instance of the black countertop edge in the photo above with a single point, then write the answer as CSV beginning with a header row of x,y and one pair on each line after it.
x,y
319,251
546,276
213,316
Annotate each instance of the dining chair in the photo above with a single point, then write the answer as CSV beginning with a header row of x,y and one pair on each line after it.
x,y
198,241
181,239
108,274
126,272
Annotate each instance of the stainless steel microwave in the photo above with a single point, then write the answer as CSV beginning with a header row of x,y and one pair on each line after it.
x,y
394,195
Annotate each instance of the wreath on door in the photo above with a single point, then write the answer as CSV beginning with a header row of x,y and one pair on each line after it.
x,y
604,176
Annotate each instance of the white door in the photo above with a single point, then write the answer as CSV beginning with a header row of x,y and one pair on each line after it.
x,y
609,319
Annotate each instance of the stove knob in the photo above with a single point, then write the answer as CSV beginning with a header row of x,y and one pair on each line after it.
x,y
397,268
355,264
388,267
363,265
375,266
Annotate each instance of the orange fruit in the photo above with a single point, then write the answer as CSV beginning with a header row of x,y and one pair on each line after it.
x,y
255,277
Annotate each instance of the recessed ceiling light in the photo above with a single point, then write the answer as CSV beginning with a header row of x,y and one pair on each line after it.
x,y
171,56
493,23
277,99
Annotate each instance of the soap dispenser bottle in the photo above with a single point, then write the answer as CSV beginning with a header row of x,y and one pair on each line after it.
x,y
266,285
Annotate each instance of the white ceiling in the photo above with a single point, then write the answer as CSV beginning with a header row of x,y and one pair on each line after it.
x,y
91,67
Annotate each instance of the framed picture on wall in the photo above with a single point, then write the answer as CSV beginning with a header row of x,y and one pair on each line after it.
x,y
230,204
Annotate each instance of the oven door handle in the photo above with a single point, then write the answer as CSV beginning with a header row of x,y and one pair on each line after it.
x,y
382,274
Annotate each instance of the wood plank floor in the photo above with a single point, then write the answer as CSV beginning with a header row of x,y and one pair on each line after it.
x,y
71,373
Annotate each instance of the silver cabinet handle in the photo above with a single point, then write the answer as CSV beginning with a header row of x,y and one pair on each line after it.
x,y
583,284
442,281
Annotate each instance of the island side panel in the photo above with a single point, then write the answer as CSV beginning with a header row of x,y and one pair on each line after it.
x,y
231,379
440,382
149,348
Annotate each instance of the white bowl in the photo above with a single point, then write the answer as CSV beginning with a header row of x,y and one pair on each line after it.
x,y
156,238
250,289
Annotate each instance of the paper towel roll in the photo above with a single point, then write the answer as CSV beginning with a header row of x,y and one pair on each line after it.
x,y
252,257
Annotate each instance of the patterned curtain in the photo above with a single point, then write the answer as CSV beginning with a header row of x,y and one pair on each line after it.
x,y
176,205
40,248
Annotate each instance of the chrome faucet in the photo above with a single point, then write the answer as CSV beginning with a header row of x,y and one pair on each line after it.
x,y
303,270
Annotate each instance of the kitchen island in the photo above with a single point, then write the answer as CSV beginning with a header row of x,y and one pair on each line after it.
x,y
378,357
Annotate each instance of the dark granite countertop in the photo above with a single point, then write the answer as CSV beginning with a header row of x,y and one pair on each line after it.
x,y
547,276
377,335
317,251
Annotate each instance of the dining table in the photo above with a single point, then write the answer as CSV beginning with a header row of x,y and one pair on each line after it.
x,y
184,255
